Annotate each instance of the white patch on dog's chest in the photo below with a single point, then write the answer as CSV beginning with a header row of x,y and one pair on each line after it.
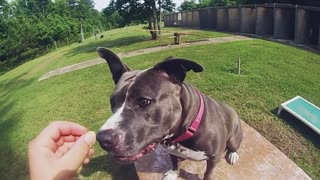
x,y
186,153
171,175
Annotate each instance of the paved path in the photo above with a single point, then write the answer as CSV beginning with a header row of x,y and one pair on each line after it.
x,y
96,61
259,159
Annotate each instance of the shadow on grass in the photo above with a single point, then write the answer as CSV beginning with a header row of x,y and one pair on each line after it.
x,y
306,47
12,165
299,126
108,164
9,86
7,89
115,43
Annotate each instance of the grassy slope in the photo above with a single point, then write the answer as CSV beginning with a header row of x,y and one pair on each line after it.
x,y
272,72
123,40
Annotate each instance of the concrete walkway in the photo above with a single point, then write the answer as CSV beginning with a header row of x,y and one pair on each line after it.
x,y
96,61
259,159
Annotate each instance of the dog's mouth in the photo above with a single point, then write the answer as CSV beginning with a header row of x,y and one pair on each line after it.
x,y
140,154
147,149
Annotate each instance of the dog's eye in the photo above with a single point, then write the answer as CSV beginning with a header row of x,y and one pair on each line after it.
x,y
143,102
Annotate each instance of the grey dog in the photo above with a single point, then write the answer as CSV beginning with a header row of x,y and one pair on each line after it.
x,y
155,106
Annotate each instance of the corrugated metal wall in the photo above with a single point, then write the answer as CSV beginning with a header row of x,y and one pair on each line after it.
x,y
298,23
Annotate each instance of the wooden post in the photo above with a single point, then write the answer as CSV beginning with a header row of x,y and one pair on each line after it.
x,y
176,38
238,65
68,40
81,33
55,44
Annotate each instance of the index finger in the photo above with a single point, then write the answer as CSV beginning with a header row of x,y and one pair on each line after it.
x,y
57,129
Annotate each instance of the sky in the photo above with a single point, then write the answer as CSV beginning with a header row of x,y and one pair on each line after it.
x,y
100,4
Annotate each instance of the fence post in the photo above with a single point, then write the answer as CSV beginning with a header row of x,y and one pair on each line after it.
x,y
68,40
238,66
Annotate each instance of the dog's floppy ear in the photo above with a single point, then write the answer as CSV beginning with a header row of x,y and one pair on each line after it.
x,y
117,68
177,68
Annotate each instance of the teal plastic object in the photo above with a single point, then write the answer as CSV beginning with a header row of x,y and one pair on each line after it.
x,y
304,111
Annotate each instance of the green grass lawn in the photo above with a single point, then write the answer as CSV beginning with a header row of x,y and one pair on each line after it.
x,y
272,74
123,40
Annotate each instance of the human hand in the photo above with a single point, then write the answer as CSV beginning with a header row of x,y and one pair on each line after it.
x,y
59,150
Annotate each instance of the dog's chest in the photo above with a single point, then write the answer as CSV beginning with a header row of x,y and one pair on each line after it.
x,y
185,153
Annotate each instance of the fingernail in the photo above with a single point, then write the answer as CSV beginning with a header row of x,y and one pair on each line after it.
x,y
90,138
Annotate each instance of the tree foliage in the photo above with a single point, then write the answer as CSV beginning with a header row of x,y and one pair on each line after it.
x,y
193,4
125,12
188,5
111,16
28,28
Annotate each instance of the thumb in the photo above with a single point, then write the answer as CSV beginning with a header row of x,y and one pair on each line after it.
x,y
75,156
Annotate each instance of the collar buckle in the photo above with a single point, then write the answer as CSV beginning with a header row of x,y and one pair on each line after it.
x,y
191,130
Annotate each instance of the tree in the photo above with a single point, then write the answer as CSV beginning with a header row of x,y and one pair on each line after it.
x,y
61,7
151,11
223,2
167,6
133,11
28,28
192,4
111,16
188,5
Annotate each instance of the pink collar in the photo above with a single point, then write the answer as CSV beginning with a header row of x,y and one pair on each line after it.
x,y
194,125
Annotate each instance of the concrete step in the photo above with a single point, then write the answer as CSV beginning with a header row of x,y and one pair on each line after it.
x,y
259,159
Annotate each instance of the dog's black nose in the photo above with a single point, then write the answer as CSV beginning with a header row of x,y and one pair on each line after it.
x,y
107,139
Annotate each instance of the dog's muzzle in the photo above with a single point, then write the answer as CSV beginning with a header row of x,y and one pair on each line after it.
x,y
108,139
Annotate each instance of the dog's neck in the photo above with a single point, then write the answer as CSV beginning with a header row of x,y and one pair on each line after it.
x,y
190,101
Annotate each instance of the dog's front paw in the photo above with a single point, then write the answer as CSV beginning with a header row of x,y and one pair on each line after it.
x,y
171,175
233,157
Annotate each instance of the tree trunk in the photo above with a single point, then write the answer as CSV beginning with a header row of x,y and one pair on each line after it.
x,y
154,20
150,26
159,16
147,4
